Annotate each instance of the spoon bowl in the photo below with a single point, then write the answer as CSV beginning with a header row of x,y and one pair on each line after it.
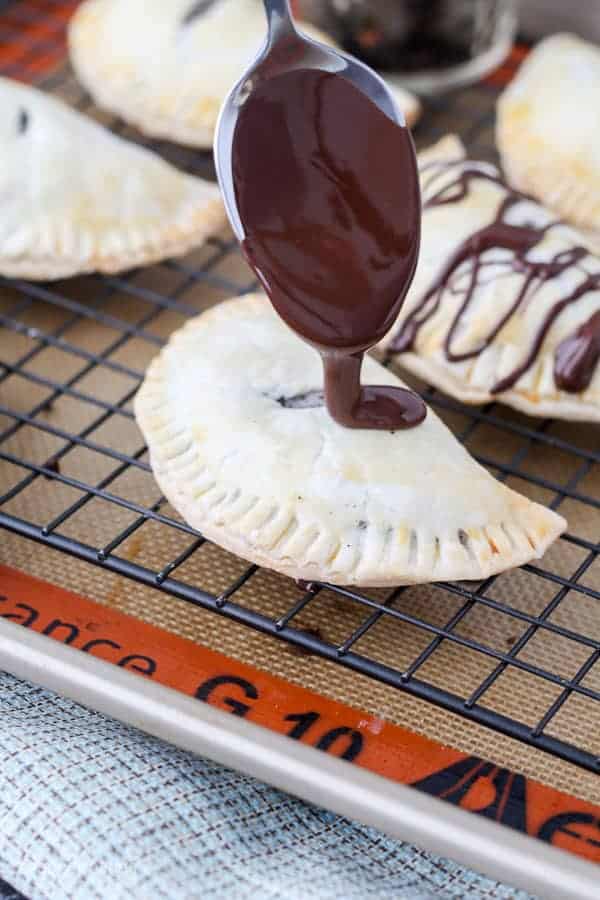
x,y
286,49
319,178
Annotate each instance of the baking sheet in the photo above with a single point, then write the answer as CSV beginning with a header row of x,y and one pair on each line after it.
x,y
297,768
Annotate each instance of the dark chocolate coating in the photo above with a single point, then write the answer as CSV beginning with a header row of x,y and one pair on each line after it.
x,y
327,193
577,356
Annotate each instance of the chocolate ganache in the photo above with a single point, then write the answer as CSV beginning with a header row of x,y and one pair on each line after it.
x,y
327,193
577,356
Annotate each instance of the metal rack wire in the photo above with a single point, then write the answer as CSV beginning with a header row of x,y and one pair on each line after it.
x,y
470,112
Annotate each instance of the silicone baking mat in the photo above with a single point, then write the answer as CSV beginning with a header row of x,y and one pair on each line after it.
x,y
504,671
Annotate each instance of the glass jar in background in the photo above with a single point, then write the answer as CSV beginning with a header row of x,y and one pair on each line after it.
x,y
428,45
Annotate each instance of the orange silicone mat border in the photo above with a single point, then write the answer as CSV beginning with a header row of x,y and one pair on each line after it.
x,y
379,746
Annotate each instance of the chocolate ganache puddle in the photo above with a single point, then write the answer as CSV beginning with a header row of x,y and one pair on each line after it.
x,y
327,191
577,356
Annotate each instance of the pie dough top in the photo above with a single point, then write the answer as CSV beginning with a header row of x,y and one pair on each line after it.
x,y
168,66
548,128
498,284
76,198
287,487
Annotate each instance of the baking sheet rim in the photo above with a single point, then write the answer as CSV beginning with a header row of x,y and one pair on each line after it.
x,y
317,777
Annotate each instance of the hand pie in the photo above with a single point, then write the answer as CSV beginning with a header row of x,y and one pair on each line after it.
x,y
506,300
243,447
166,66
75,198
548,129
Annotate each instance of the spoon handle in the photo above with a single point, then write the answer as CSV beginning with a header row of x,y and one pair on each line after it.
x,y
279,16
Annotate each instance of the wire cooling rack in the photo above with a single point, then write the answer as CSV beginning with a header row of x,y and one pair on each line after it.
x,y
552,462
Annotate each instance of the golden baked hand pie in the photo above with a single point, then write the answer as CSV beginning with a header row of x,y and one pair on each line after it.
x,y
76,198
167,65
548,129
505,303
243,447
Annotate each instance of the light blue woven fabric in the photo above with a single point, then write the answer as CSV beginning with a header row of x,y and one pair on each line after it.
x,y
90,809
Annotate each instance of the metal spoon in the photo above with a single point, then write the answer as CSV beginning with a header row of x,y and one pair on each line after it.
x,y
286,49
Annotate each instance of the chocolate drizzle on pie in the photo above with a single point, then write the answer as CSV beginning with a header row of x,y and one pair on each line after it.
x,y
328,195
577,356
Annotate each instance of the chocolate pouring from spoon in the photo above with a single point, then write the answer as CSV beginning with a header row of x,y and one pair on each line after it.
x,y
319,178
